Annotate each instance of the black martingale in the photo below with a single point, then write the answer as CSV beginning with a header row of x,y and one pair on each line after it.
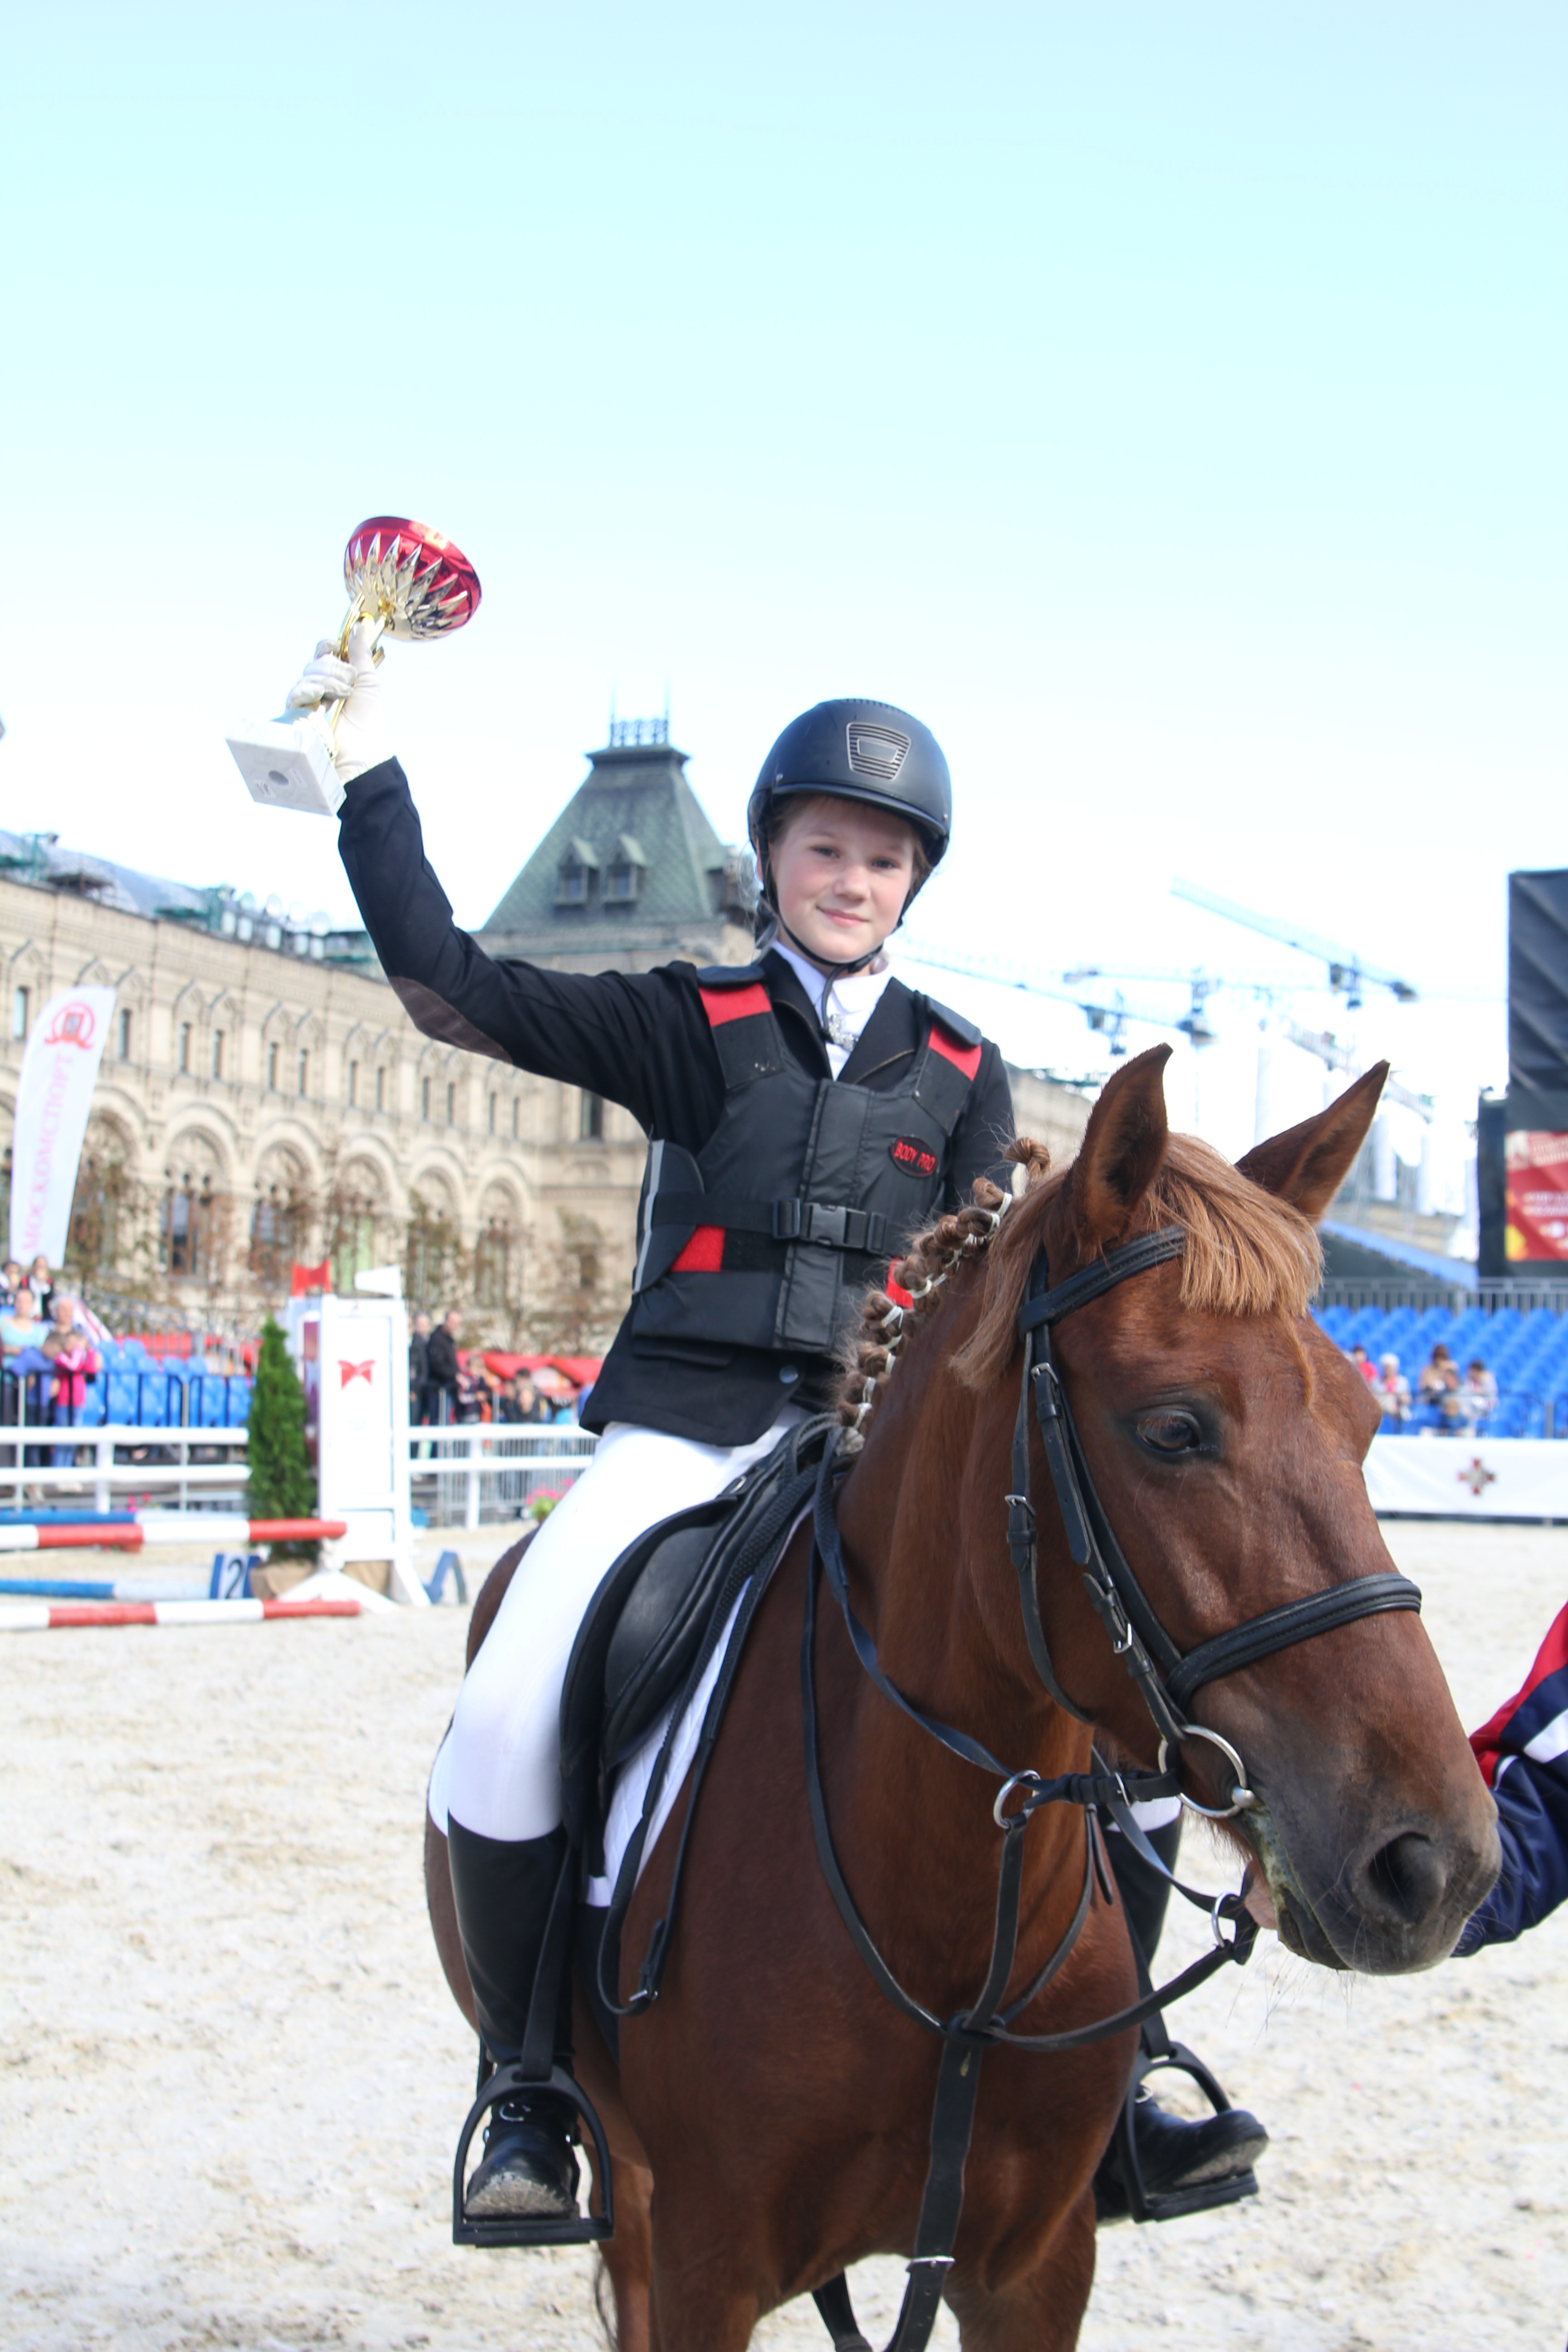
x,y
1166,1681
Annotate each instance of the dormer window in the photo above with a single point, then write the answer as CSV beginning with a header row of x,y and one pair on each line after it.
x,y
574,876
623,877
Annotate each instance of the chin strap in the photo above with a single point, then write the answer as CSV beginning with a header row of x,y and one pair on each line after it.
x,y
834,972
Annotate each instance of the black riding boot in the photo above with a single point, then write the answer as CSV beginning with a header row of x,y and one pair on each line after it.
x,y
1174,2156
502,1892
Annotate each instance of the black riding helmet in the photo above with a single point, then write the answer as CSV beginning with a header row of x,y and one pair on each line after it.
x,y
853,750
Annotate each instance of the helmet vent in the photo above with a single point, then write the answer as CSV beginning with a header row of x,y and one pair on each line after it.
x,y
875,750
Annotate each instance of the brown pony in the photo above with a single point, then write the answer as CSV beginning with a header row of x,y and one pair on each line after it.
x,y
779,2103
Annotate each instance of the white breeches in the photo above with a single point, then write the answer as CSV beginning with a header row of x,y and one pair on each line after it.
x,y
502,1763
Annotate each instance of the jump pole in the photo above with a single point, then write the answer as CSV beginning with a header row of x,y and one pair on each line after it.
x,y
46,1618
152,1528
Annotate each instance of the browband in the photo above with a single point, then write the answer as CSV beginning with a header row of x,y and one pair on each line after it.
x,y
1093,1281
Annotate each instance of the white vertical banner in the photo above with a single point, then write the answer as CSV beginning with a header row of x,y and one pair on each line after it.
x,y
60,1070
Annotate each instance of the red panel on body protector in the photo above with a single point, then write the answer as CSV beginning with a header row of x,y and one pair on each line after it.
x,y
703,1254
741,1017
962,1058
947,1071
734,1004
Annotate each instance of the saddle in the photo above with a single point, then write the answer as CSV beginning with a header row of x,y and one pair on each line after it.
x,y
649,1637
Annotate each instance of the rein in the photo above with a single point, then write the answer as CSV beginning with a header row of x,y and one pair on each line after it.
x,y
1166,1681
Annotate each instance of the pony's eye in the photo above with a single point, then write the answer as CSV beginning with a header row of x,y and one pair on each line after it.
x,y
1170,1433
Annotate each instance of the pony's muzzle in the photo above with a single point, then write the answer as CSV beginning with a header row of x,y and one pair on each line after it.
x,y
1404,1897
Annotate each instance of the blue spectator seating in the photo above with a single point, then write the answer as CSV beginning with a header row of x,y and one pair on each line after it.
x,y
1526,1355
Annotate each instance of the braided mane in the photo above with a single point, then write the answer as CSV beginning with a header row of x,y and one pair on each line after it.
x,y
1248,1253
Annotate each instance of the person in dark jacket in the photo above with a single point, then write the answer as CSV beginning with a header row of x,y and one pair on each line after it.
x,y
806,1115
441,1363
418,1366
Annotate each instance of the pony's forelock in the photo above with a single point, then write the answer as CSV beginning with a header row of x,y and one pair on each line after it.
x,y
1248,1253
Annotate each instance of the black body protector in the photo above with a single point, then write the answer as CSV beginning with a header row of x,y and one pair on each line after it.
x,y
804,1190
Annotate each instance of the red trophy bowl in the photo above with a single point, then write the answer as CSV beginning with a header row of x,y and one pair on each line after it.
x,y
408,582
406,575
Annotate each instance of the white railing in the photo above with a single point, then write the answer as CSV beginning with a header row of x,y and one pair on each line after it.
x,y
28,1462
463,1474
470,1471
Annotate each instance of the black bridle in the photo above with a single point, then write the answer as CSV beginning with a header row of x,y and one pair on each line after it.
x,y
1166,1680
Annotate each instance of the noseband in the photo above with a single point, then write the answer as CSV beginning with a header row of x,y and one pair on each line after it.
x,y
1165,1678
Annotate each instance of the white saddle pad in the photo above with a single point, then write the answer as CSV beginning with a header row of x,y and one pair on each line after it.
x,y
631,1783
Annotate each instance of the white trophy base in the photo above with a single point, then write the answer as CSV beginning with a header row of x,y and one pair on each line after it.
x,y
288,763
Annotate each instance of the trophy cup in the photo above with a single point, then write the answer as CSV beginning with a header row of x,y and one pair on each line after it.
x,y
411,583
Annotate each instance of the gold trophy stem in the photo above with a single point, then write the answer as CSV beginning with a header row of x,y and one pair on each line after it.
x,y
378,655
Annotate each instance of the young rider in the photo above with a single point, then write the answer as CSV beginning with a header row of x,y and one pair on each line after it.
x,y
807,1114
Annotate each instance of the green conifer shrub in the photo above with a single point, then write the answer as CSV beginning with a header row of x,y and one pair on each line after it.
x,y
282,1483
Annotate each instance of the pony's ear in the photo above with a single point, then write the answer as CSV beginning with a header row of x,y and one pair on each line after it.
x,y
1122,1146
1307,1164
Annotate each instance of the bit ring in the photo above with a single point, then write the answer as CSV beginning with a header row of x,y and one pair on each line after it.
x,y
1241,1796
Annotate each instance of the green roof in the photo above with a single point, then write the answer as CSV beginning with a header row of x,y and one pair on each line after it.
x,y
634,806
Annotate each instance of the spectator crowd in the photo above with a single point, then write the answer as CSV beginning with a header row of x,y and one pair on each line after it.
x,y
1456,1404
449,1384
39,1320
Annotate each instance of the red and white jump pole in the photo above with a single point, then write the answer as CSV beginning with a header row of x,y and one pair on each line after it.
x,y
43,1616
150,1529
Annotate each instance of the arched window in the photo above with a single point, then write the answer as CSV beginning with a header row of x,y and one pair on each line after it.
x,y
352,1222
185,1229
354,1242
435,1264
274,1235
102,1206
492,1264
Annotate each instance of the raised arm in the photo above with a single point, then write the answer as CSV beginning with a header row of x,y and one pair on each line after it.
x,y
639,1039
602,1030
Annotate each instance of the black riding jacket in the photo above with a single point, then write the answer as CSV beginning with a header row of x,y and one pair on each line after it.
x,y
645,1040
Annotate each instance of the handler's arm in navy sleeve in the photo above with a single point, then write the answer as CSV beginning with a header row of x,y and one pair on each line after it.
x,y
1532,1824
1523,1756
638,1038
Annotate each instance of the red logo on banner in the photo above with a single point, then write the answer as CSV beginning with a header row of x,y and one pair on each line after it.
x,y
1476,1477
306,1278
73,1025
347,1372
1536,1165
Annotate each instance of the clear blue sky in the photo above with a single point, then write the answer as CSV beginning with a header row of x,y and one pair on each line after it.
x,y
1164,401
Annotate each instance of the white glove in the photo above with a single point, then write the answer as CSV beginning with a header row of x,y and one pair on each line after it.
x,y
360,739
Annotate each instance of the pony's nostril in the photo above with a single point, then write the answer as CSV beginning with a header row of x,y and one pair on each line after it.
x,y
1407,1877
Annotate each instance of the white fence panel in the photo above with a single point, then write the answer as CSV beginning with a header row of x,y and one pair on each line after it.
x,y
473,1471
1469,1478
27,1461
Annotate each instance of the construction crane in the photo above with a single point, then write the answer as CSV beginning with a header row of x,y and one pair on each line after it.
x,y
1327,1047
1108,1019
1195,1025
1348,973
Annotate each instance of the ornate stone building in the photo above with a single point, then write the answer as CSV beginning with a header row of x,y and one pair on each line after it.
x,y
263,1101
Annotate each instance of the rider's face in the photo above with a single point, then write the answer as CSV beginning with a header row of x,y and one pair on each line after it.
x,y
842,872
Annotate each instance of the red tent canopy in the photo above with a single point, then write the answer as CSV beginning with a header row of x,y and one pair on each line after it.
x,y
569,1371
